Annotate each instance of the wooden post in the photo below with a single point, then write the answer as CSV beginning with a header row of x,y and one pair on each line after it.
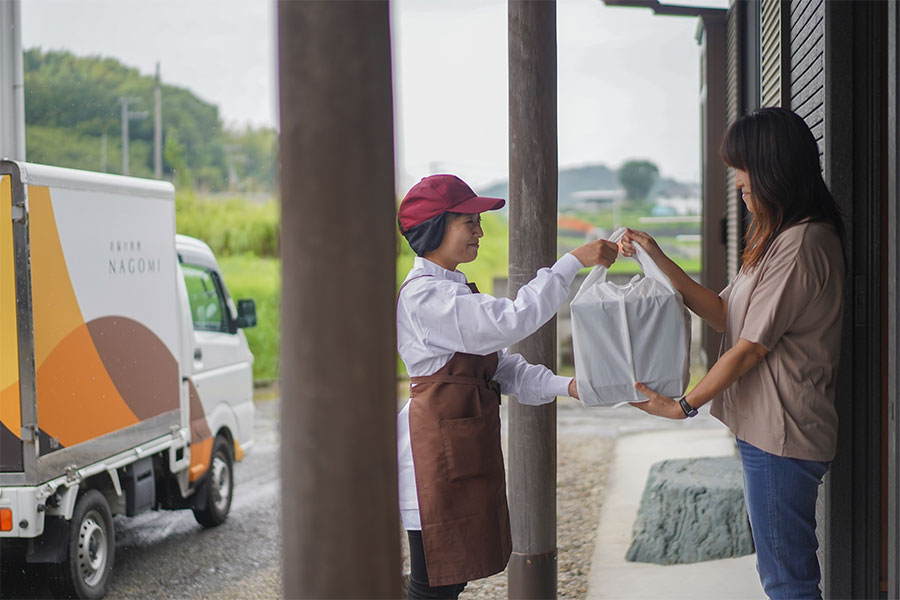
x,y
712,103
341,535
532,244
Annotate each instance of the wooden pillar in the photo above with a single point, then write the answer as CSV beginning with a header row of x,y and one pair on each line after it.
x,y
532,245
338,434
712,124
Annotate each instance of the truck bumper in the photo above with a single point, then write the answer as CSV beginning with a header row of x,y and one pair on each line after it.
x,y
27,508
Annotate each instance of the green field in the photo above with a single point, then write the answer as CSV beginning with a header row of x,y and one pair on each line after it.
x,y
250,276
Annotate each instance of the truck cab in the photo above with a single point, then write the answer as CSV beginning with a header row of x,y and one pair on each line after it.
x,y
217,362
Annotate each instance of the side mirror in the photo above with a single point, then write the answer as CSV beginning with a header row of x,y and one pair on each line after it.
x,y
246,316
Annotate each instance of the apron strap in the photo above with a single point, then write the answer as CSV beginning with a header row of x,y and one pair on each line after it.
x,y
463,379
491,384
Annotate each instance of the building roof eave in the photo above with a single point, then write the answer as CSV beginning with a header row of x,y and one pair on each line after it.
x,y
673,10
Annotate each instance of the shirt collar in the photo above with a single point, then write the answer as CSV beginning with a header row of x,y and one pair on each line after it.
x,y
426,267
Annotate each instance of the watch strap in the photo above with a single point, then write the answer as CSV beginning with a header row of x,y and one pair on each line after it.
x,y
689,411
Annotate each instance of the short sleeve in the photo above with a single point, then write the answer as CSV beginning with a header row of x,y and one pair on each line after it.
x,y
726,293
781,295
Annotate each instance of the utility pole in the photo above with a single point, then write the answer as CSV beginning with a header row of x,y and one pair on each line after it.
x,y
157,127
233,154
124,102
127,115
12,82
103,153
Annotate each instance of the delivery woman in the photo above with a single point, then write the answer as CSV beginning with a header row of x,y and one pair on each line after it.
x,y
773,385
452,339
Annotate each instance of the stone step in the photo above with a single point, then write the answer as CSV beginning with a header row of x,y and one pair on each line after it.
x,y
692,510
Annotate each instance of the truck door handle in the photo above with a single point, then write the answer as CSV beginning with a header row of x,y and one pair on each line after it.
x,y
198,354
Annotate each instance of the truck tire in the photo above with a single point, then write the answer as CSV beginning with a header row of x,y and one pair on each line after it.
x,y
91,549
219,484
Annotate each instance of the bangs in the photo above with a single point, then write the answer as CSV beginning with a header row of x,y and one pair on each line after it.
x,y
734,149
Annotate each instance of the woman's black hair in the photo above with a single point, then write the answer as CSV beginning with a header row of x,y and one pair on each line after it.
x,y
780,155
427,235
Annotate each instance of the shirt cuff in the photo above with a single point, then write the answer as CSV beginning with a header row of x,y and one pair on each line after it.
x,y
557,385
568,266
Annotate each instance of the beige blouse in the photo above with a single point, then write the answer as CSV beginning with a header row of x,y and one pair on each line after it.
x,y
791,303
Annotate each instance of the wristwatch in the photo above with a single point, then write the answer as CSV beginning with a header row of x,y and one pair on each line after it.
x,y
689,411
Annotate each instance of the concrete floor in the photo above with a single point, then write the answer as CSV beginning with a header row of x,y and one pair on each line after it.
x,y
611,575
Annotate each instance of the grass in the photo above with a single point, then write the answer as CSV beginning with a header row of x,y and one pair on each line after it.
x,y
250,276
231,227
625,266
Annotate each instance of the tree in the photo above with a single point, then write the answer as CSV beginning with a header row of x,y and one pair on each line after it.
x,y
638,177
72,101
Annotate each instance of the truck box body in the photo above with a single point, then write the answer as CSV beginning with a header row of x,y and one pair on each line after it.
x,y
123,365
103,374
125,376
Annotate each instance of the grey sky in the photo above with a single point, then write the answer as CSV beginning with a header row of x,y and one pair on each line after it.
x,y
628,80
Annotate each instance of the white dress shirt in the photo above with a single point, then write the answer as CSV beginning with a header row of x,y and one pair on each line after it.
x,y
438,316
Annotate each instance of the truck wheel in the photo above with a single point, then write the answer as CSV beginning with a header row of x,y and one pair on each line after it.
x,y
91,549
219,486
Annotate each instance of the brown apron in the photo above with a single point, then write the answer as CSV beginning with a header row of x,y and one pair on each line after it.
x,y
454,429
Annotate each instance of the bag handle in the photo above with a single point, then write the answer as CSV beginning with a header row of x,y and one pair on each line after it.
x,y
599,272
651,269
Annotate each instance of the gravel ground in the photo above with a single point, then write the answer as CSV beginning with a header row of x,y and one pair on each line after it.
x,y
582,465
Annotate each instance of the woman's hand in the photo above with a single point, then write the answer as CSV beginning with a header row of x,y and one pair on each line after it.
x,y
659,405
573,389
632,236
598,252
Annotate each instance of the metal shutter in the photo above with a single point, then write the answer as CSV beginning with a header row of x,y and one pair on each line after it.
x,y
733,205
807,49
773,77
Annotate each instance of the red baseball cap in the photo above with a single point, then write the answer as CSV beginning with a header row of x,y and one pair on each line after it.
x,y
437,194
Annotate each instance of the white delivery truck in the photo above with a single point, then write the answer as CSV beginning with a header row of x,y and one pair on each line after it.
x,y
125,378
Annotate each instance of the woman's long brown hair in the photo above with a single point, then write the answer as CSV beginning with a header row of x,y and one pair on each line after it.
x,y
779,153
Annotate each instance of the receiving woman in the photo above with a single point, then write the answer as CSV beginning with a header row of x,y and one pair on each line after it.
x,y
773,385
452,340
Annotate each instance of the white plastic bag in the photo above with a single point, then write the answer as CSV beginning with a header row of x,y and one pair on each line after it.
x,y
624,334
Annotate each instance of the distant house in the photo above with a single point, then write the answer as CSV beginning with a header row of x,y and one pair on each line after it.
x,y
572,227
681,206
596,200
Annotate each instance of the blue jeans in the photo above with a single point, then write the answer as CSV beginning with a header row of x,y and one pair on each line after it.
x,y
781,501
